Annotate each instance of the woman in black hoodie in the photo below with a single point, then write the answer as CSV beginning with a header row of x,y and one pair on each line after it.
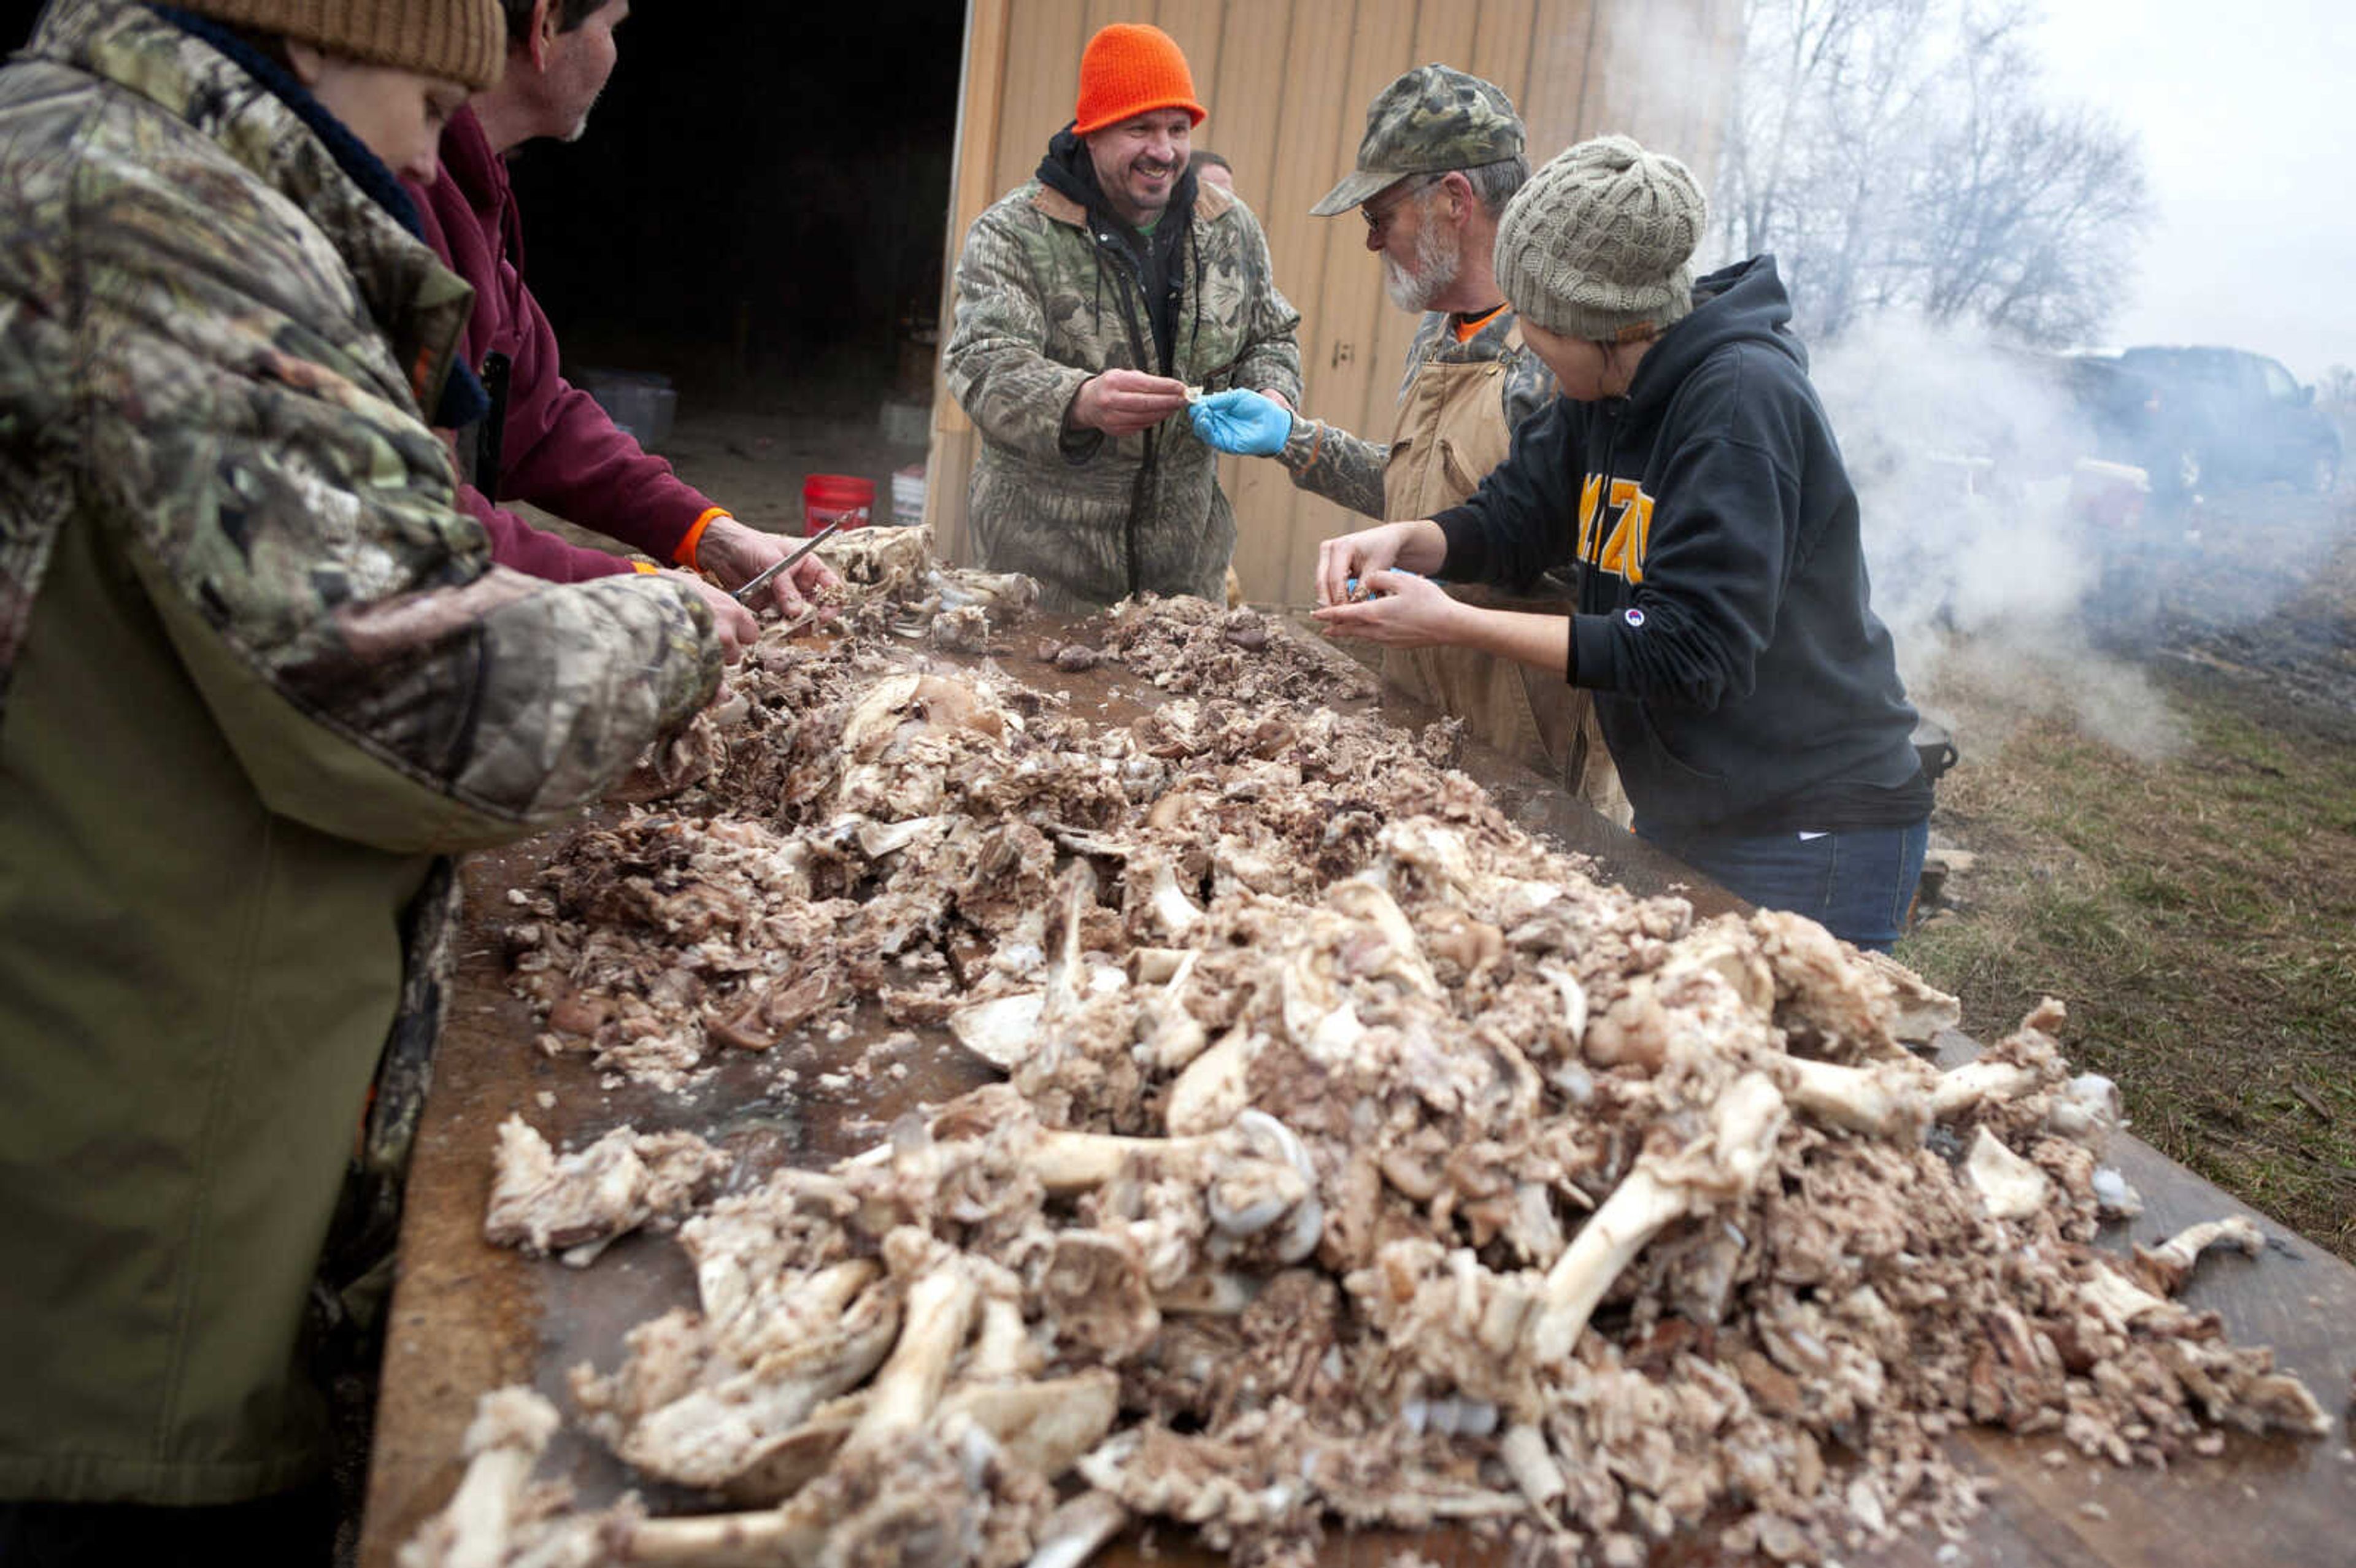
x,y
1749,696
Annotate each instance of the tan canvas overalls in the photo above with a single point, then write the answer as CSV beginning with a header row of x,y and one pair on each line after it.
x,y
1450,432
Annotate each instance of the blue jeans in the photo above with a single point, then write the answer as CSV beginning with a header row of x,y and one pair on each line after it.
x,y
1857,884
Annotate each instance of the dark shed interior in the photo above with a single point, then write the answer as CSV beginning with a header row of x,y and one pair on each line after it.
x,y
758,207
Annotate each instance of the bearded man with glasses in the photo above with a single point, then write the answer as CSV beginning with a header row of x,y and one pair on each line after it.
x,y
1443,154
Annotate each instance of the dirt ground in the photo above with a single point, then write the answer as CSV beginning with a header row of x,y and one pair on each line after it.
x,y
2162,832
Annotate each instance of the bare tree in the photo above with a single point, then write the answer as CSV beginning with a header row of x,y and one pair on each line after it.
x,y
1897,153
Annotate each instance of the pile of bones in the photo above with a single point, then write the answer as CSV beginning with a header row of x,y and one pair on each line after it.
x,y
1359,1159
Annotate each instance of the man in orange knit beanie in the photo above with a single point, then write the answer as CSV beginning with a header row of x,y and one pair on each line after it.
x,y
1089,300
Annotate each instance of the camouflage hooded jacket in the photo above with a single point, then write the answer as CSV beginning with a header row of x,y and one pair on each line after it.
x,y
1347,470
1044,301
256,675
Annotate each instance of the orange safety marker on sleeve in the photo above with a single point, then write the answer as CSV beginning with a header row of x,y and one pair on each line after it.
x,y
685,554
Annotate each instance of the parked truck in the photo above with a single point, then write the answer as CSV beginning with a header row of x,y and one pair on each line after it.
x,y
2193,418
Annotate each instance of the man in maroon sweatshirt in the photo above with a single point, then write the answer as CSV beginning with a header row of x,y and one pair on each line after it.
x,y
554,446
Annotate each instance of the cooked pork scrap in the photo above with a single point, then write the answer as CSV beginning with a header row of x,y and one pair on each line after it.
x,y
575,1203
1560,1206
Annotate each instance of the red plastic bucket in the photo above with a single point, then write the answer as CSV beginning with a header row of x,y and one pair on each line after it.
x,y
835,499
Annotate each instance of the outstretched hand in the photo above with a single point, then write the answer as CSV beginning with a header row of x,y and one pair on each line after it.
x,y
1242,421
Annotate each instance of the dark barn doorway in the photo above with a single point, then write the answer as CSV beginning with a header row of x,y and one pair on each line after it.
x,y
755,215
758,206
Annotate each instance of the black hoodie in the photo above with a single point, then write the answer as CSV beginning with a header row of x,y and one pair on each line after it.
x,y
1741,678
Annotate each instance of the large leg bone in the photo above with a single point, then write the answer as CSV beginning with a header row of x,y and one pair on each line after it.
x,y
512,1426
1962,1088
1254,1172
1746,1120
1895,1097
1887,1100
933,1327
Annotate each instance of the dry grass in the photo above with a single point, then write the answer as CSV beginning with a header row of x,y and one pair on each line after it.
x,y
2196,908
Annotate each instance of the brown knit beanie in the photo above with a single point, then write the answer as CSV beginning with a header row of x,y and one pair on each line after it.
x,y
464,41
1595,245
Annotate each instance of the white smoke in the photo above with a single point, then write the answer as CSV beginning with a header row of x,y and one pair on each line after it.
x,y
1982,525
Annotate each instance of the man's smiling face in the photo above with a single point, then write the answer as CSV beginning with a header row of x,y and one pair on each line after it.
x,y
1138,161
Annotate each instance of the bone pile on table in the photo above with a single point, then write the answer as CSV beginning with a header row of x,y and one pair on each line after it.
x,y
1360,1160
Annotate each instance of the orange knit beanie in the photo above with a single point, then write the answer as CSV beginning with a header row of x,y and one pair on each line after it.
x,y
1129,69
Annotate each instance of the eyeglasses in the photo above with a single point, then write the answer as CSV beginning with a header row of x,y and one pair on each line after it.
x,y
1378,219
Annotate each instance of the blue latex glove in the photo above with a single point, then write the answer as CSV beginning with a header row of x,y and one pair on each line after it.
x,y
1241,422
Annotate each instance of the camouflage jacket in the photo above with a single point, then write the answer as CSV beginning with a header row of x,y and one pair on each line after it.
x,y
257,674
1042,304
1347,470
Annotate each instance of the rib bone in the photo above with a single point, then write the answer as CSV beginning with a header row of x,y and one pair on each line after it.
x,y
1725,1164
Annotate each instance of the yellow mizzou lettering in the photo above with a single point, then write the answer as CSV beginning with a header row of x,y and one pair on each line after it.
x,y
1622,551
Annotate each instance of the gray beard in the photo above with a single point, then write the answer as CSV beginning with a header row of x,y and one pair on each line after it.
x,y
1439,258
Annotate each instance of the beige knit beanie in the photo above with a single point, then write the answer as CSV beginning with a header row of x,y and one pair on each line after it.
x,y
1595,245
464,41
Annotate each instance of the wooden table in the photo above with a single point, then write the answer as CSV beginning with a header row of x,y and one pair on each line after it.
x,y
468,1317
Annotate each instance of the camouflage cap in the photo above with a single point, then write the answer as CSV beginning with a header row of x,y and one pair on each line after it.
x,y
1430,119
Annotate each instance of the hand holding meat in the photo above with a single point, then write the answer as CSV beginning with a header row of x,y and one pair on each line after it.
x,y
1415,546
1396,608
1122,402
736,554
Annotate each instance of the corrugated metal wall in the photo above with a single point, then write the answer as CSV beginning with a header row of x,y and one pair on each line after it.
x,y
1287,83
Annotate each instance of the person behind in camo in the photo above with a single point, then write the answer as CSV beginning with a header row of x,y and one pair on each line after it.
x,y
259,680
1441,157
1748,693
1212,168
546,440
1089,299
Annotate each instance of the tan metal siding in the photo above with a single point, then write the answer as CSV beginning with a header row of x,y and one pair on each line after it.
x,y
1287,83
